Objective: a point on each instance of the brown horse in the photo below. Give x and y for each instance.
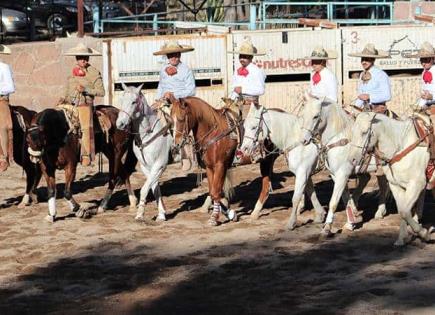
(215, 143)
(21, 119)
(54, 144)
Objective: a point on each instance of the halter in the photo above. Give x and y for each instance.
(365, 147)
(139, 108)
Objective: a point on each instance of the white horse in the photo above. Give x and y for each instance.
(151, 146)
(327, 118)
(406, 173)
(284, 131)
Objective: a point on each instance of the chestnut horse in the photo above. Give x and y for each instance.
(21, 119)
(54, 144)
(214, 142)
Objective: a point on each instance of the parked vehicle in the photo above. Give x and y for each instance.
(13, 22)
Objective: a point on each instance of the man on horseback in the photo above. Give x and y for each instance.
(323, 82)
(177, 80)
(249, 80)
(426, 54)
(6, 87)
(83, 86)
(374, 87)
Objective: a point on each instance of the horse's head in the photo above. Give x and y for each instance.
(255, 132)
(180, 119)
(364, 137)
(312, 117)
(132, 103)
(36, 141)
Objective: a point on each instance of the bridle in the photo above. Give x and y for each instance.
(365, 147)
(185, 137)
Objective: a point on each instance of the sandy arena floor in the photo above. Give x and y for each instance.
(111, 264)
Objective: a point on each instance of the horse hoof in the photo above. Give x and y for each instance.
(213, 222)
(100, 210)
(50, 218)
(399, 243)
(424, 234)
(232, 215)
(325, 234)
(161, 218)
(349, 226)
(291, 225)
(139, 217)
(22, 205)
(319, 218)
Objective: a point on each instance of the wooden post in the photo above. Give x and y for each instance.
(80, 25)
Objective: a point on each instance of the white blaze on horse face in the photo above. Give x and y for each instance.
(128, 105)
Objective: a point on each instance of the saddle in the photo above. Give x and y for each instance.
(233, 115)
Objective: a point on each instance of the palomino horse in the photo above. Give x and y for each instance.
(404, 163)
(284, 131)
(21, 119)
(324, 117)
(53, 142)
(152, 143)
(213, 142)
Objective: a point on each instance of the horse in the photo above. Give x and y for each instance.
(214, 141)
(404, 161)
(151, 145)
(21, 119)
(55, 144)
(333, 124)
(283, 130)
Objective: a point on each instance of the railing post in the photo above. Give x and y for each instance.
(96, 17)
(252, 17)
(155, 24)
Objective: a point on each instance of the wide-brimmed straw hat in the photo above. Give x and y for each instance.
(173, 47)
(247, 48)
(426, 51)
(370, 51)
(82, 50)
(5, 50)
(319, 53)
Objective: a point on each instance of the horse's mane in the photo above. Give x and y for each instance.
(206, 112)
(341, 121)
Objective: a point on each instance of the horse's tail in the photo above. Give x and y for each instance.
(228, 185)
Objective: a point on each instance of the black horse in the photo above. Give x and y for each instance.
(56, 145)
(21, 119)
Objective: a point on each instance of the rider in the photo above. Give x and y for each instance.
(249, 80)
(6, 87)
(176, 79)
(83, 86)
(426, 54)
(374, 87)
(323, 82)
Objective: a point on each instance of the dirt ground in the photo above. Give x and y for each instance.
(111, 264)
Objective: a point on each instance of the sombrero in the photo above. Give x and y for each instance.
(173, 47)
(370, 51)
(247, 48)
(319, 53)
(5, 50)
(82, 50)
(426, 51)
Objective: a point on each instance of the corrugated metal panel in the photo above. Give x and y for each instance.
(284, 52)
(133, 59)
(399, 41)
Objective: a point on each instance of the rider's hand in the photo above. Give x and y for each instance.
(80, 88)
(238, 89)
(168, 95)
(364, 97)
(426, 95)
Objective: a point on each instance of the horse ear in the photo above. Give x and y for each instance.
(124, 87)
(139, 88)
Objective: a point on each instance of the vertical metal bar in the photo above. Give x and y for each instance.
(155, 24)
(252, 17)
(80, 26)
(96, 17)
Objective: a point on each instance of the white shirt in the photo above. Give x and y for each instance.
(378, 87)
(427, 86)
(182, 84)
(253, 84)
(326, 87)
(6, 81)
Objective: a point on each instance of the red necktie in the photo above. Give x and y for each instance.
(171, 70)
(427, 76)
(78, 72)
(242, 71)
(316, 78)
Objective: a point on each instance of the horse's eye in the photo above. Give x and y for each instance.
(253, 127)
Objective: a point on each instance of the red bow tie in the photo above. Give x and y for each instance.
(427, 76)
(171, 70)
(316, 78)
(242, 71)
(78, 72)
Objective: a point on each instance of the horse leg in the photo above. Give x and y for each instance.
(160, 205)
(51, 189)
(300, 183)
(363, 179)
(406, 200)
(36, 180)
(70, 174)
(30, 178)
(104, 204)
(383, 193)
(143, 193)
(320, 211)
(131, 196)
(266, 169)
(206, 205)
(340, 183)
